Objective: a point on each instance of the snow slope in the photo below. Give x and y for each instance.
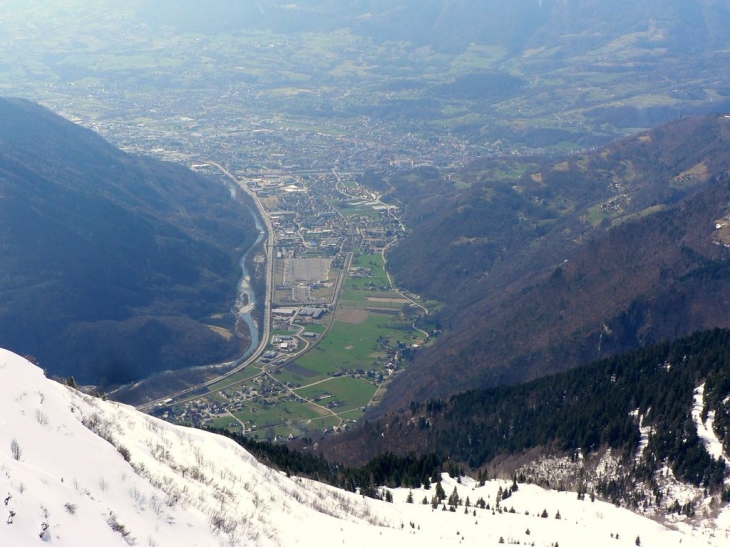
(704, 429)
(65, 481)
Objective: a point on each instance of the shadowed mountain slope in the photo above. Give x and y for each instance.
(111, 265)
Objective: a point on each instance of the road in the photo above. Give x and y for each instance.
(264, 330)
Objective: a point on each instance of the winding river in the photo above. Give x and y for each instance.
(246, 299)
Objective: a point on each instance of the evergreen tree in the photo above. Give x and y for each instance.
(440, 493)
(435, 501)
(482, 477)
(454, 498)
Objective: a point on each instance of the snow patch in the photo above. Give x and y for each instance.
(704, 429)
(644, 431)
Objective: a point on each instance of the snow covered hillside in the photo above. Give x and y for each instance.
(78, 471)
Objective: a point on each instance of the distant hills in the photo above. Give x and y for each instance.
(111, 266)
(567, 262)
(499, 75)
(528, 73)
(570, 28)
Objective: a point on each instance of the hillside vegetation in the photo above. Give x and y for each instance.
(111, 266)
(544, 266)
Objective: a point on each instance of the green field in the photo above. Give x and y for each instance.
(282, 412)
(351, 392)
(359, 287)
(291, 377)
(348, 346)
(366, 211)
(596, 215)
(374, 261)
(225, 423)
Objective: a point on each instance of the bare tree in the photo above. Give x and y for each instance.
(41, 417)
(15, 449)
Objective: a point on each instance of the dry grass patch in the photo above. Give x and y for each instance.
(354, 317)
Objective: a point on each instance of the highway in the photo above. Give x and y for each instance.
(264, 330)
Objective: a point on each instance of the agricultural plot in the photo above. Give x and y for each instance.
(349, 346)
(296, 375)
(227, 422)
(363, 286)
(301, 428)
(344, 393)
(316, 328)
(268, 415)
(356, 209)
(366, 279)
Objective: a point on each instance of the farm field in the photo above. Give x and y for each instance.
(344, 393)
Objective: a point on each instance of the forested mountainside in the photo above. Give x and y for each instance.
(664, 407)
(545, 266)
(111, 266)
